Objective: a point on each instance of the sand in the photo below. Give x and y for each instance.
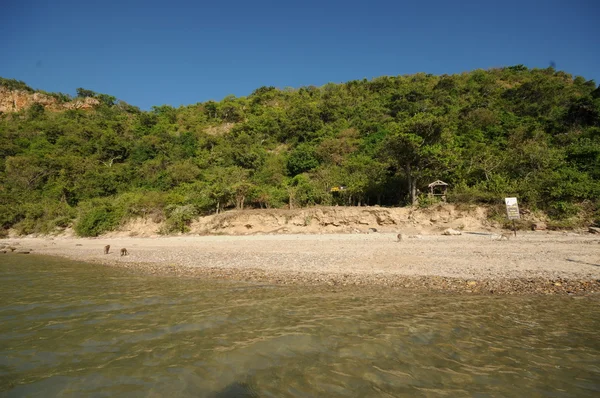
(474, 262)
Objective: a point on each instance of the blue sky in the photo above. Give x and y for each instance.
(181, 52)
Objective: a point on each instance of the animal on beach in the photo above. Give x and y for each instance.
(400, 237)
(124, 252)
(106, 249)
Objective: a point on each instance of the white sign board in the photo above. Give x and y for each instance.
(512, 208)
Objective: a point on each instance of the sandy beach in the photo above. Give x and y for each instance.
(532, 262)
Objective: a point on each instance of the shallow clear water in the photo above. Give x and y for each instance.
(75, 329)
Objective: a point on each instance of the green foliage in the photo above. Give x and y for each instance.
(61, 97)
(463, 193)
(83, 93)
(596, 214)
(426, 201)
(96, 217)
(36, 111)
(46, 218)
(302, 159)
(563, 210)
(105, 99)
(13, 84)
(179, 218)
(531, 133)
(303, 192)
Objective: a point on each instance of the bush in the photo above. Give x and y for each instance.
(304, 192)
(43, 217)
(10, 215)
(596, 214)
(302, 159)
(563, 210)
(270, 197)
(13, 84)
(25, 227)
(97, 217)
(424, 201)
(555, 225)
(180, 217)
(477, 194)
(141, 204)
(197, 194)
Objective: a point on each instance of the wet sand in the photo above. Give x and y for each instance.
(531, 263)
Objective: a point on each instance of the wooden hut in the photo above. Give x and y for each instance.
(438, 188)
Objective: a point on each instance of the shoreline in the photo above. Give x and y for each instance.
(532, 263)
(412, 284)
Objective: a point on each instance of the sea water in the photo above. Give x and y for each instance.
(72, 329)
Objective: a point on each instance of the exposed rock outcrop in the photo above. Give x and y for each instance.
(17, 100)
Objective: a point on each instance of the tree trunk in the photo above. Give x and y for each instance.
(413, 192)
(412, 183)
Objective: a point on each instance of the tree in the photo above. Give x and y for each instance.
(302, 159)
(363, 176)
(83, 93)
(531, 132)
(414, 146)
(228, 185)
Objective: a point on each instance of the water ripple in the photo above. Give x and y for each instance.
(73, 329)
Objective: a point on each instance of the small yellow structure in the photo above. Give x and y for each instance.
(338, 188)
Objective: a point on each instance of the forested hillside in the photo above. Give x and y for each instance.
(513, 131)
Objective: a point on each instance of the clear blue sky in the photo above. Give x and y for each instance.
(180, 52)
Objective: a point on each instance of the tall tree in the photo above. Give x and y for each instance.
(414, 146)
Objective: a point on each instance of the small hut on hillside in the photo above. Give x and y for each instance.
(438, 189)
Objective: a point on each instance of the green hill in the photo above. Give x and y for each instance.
(530, 133)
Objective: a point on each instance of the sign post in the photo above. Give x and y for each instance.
(512, 211)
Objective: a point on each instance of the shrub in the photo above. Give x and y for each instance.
(179, 219)
(97, 217)
(42, 217)
(477, 194)
(563, 224)
(13, 84)
(10, 215)
(424, 201)
(562, 210)
(302, 159)
(25, 227)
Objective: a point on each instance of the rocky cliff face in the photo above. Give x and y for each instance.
(16, 100)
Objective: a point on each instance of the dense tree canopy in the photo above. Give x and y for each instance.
(531, 133)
